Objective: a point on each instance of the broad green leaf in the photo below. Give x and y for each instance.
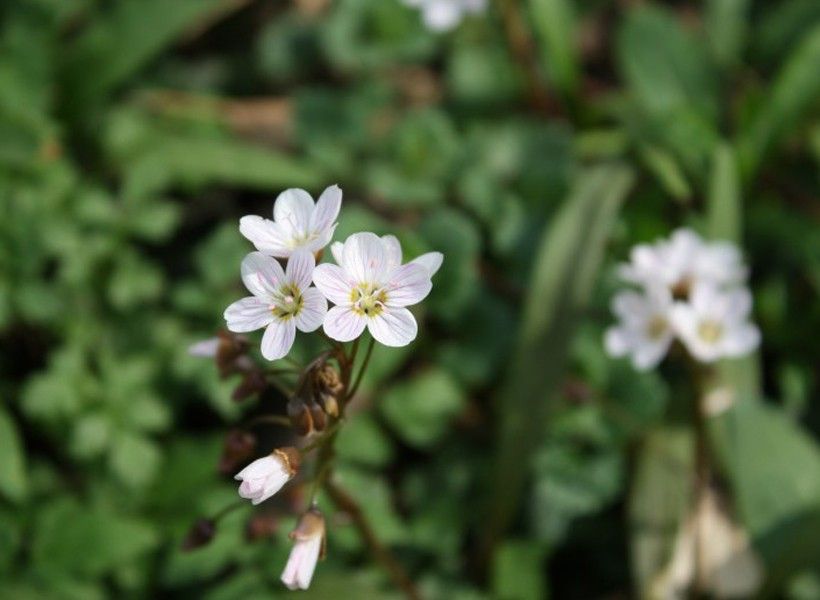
(795, 90)
(362, 441)
(774, 468)
(564, 271)
(554, 22)
(13, 474)
(658, 501)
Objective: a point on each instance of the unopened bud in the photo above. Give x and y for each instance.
(300, 417)
(329, 404)
(318, 416)
(200, 534)
(238, 446)
(265, 476)
(230, 350)
(328, 380)
(308, 548)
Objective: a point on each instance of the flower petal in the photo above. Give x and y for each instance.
(741, 340)
(292, 211)
(278, 339)
(314, 309)
(262, 275)
(334, 283)
(392, 247)
(248, 314)
(343, 325)
(266, 235)
(365, 258)
(430, 261)
(393, 327)
(300, 267)
(327, 209)
(337, 250)
(408, 285)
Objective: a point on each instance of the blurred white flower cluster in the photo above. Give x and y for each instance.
(444, 15)
(687, 289)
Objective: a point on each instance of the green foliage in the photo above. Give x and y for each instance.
(503, 454)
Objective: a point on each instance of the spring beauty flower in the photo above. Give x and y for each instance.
(297, 223)
(443, 15)
(265, 476)
(644, 332)
(282, 301)
(370, 288)
(714, 324)
(430, 261)
(683, 261)
(308, 548)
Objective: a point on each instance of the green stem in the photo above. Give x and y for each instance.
(227, 510)
(363, 368)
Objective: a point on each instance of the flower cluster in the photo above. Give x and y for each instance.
(443, 15)
(370, 289)
(688, 289)
(369, 285)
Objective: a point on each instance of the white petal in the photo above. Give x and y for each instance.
(343, 325)
(706, 299)
(278, 339)
(301, 563)
(738, 305)
(262, 275)
(430, 261)
(265, 235)
(337, 250)
(204, 348)
(364, 257)
(334, 283)
(292, 211)
(618, 341)
(408, 285)
(261, 467)
(393, 327)
(300, 268)
(392, 247)
(248, 314)
(314, 309)
(327, 209)
(630, 306)
(273, 484)
(323, 239)
(741, 340)
(649, 354)
(441, 16)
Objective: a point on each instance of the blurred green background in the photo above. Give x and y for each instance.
(503, 455)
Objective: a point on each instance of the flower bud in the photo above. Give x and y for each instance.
(329, 404)
(308, 548)
(238, 446)
(300, 416)
(265, 476)
(200, 534)
(318, 417)
(328, 380)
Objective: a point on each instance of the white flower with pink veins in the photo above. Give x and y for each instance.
(282, 301)
(297, 223)
(308, 547)
(371, 288)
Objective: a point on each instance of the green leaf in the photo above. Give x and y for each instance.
(554, 22)
(658, 501)
(793, 93)
(13, 475)
(774, 468)
(565, 269)
(362, 441)
(65, 534)
(117, 45)
(726, 26)
(518, 571)
(420, 409)
(134, 459)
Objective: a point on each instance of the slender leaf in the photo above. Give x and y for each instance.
(726, 26)
(554, 23)
(13, 478)
(565, 269)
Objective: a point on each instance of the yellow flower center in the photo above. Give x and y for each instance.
(710, 331)
(656, 327)
(368, 300)
(289, 304)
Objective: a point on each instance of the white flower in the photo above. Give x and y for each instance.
(308, 548)
(205, 348)
(644, 332)
(430, 261)
(282, 301)
(443, 15)
(714, 324)
(372, 289)
(297, 223)
(683, 261)
(265, 476)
